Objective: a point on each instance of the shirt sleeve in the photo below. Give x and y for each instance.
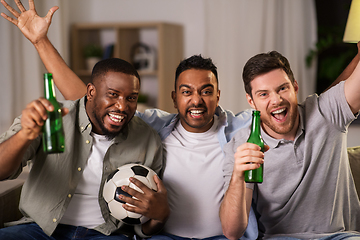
(334, 107)
(31, 150)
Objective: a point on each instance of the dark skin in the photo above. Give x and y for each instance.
(114, 96)
(32, 120)
(115, 103)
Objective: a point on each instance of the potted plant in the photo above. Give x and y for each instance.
(92, 54)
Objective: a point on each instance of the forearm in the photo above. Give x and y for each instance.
(352, 89)
(233, 210)
(68, 83)
(11, 153)
(347, 71)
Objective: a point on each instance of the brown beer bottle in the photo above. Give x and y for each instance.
(53, 133)
(256, 175)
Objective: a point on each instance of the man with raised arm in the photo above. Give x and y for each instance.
(193, 138)
(62, 197)
(308, 191)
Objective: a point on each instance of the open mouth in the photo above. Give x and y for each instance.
(279, 114)
(116, 118)
(196, 113)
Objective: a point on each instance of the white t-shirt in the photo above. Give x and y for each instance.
(84, 209)
(193, 178)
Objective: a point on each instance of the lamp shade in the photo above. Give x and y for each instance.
(352, 30)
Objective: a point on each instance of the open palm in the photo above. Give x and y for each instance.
(29, 22)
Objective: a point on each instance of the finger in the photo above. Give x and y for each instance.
(31, 5)
(131, 191)
(13, 21)
(247, 153)
(46, 104)
(50, 13)
(40, 107)
(10, 9)
(20, 5)
(248, 146)
(64, 111)
(132, 208)
(141, 186)
(32, 117)
(160, 185)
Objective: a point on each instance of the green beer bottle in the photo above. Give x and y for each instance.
(53, 133)
(256, 175)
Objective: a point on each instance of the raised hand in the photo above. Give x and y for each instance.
(29, 22)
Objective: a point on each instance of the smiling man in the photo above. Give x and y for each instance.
(193, 138)
(308, 191)
(62, 197)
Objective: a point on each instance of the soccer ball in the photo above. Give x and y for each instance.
(112, 190)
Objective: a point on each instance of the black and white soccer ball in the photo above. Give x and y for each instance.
(112, 190)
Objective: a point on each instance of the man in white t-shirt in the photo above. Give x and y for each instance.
(193, 138)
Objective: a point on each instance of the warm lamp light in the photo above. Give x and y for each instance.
(352, 30)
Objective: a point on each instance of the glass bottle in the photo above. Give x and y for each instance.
(53, 133)
(256, 175)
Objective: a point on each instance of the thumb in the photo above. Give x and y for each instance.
(266, 147)
(50, 13)
(64, 111)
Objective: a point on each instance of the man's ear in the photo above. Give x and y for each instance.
(173, 96)
(250, 101)
(296, 87)
(218, 97)
(91, 91)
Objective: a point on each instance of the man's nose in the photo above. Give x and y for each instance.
(276, 99)
(197, 99)
(121, 104)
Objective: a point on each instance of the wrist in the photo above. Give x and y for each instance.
(42, 43)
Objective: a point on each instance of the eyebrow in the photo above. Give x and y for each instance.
(117, 91)
(202, 87)
(282, 85)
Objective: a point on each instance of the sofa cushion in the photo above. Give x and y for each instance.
(354, 158)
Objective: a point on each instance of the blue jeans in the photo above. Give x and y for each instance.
(32, 231)
(336, 236)
(167, 236)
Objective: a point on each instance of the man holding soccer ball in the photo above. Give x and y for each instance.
(61, 199)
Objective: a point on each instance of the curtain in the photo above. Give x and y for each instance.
(239, 29)
(21, 69)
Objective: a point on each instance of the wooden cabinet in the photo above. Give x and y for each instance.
(165, 38)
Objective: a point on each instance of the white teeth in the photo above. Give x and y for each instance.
(116, 118)
(278, 111)
(196, 111)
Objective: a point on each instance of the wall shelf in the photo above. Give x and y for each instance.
(165, 38)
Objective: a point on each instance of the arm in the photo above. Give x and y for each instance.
(348, 70)
(13, 149)
(151, 204)
(35, 29)
(235, 207)
(352, 86)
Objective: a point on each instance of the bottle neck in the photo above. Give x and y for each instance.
(49, 88)
(255, 124)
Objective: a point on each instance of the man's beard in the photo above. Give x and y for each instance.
(108, 134)
(282, 129)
